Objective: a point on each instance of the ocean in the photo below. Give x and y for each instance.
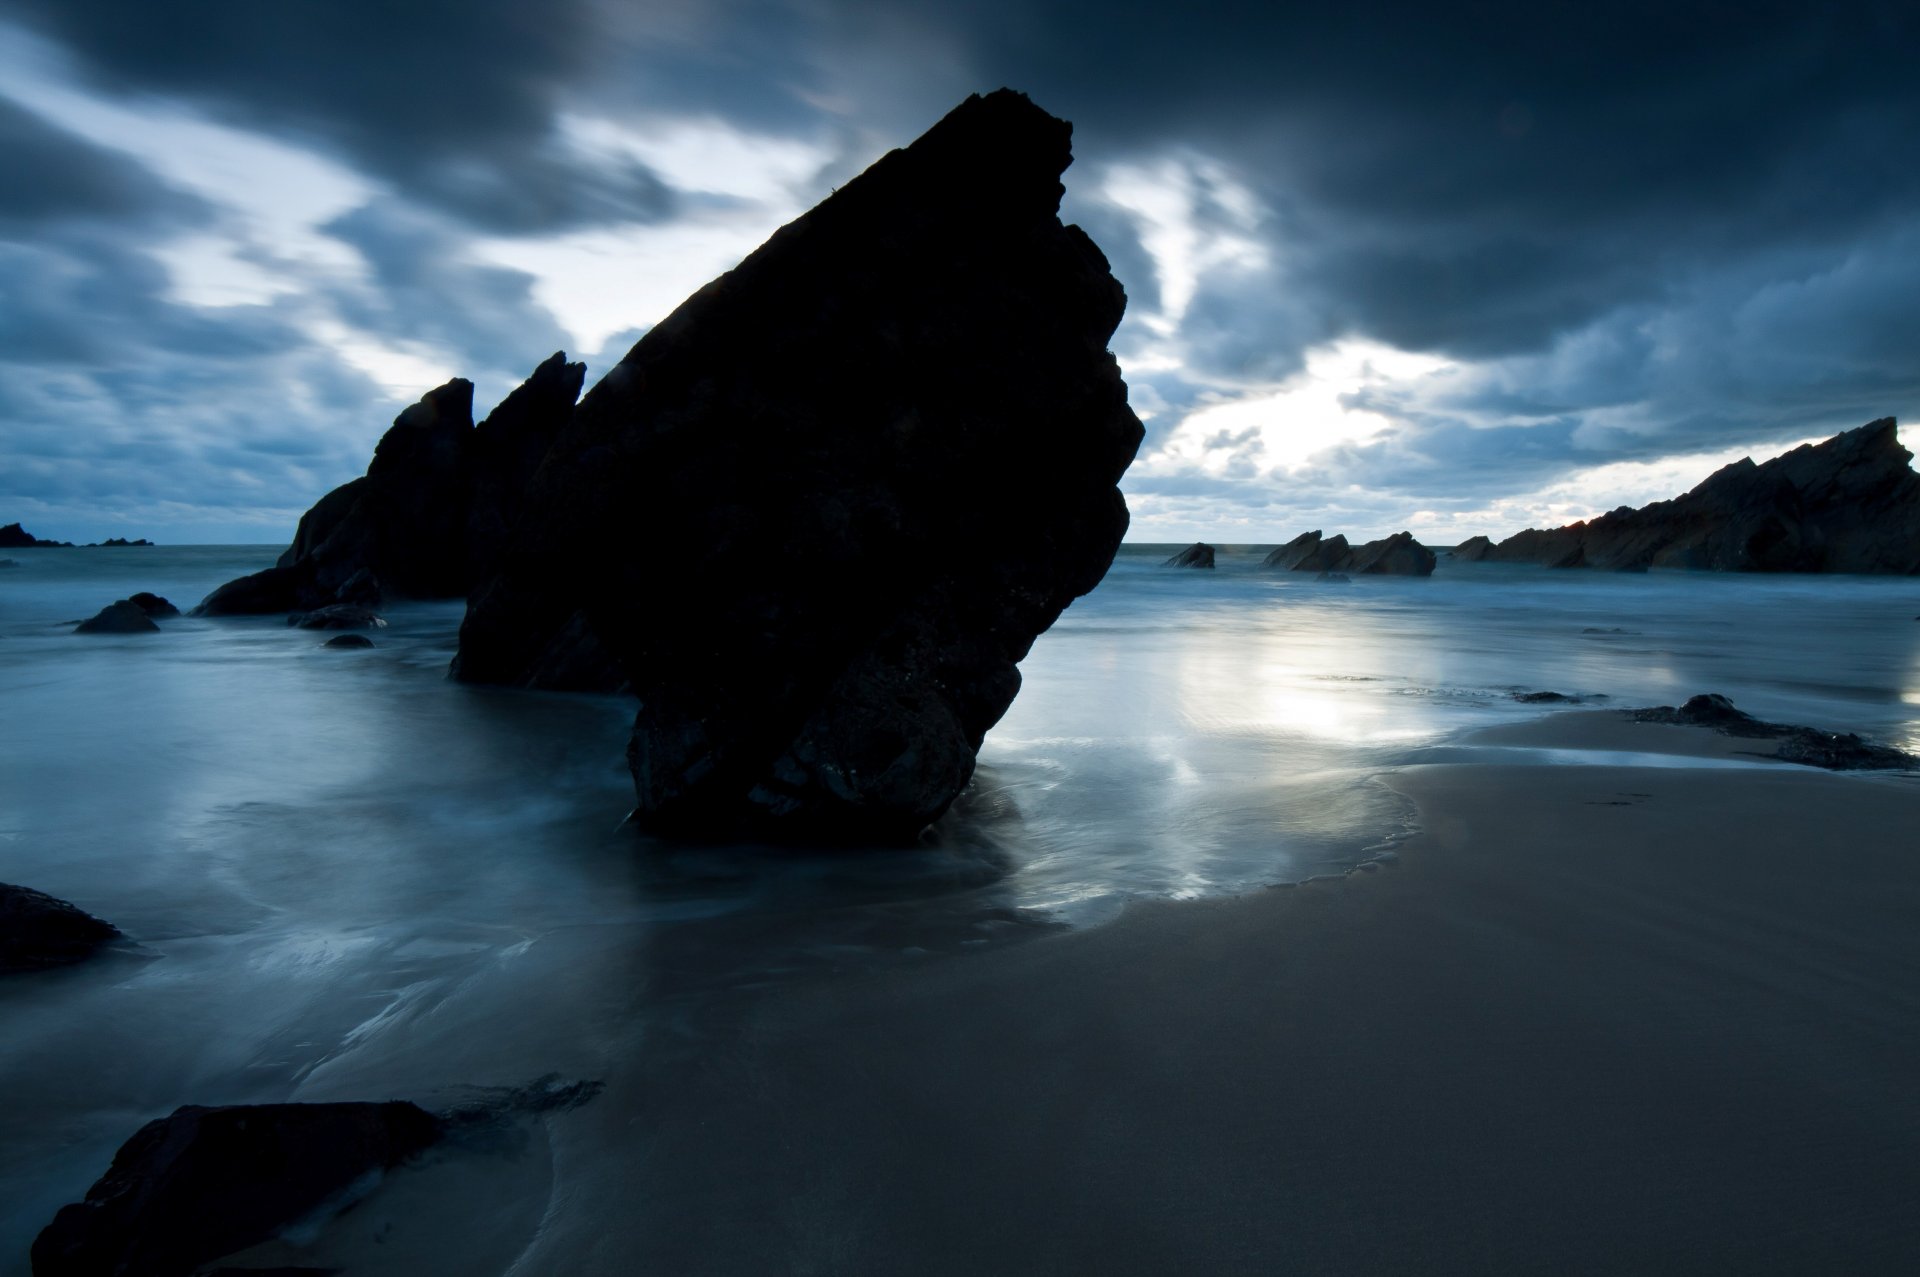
(343, 876)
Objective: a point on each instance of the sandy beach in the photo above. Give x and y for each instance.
(1590, 1019)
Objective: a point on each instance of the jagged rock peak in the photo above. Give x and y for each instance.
(883, 452)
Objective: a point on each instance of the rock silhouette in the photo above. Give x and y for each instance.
(1472, 550)
(428, 518)
(1197, 555)
(1808, 746)
(123, 617)
(37, 931)
(1397, 555)
(1850, 504)
(15, 537)
(205, 1182)
(818, 514)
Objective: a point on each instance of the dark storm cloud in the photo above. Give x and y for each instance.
(54, 178)
(451, 101)
(425, 288)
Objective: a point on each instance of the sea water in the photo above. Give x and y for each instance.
(343, 876)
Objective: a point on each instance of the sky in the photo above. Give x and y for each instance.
(1460, 269)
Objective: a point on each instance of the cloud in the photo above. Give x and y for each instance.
(55, 179)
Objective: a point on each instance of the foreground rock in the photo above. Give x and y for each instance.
(124, 617)
(817, 515)
(206, 1182)
(429, 517)
(1806, 745)
(152, 604)
(38, 931)
(1397, 555)
(1851, 504)
(348, 640)
(1472, 550)
(1197, 555)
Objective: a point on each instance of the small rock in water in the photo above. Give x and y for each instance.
(124, 617)
(1555, 698)
(9, 563)
(1197, 555)
(348, 640)
(203, 1183)
(38, 931)
(338, 616)
(1806, 745)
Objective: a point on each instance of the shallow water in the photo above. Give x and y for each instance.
(346, 877)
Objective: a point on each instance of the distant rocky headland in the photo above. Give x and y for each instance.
(15, 537)
(1851, 504)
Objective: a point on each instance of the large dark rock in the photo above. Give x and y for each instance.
(818, 514)
(1851, 504)
(1197, 555)
(338, 616)
(15, 537)
(428, 518)
(123, 617)
(206, 1182)
(38, 931)
(1397, 555)
(152, 604)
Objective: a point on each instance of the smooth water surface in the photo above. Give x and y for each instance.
(344, 877)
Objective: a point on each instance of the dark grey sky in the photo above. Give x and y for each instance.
(1460, 267)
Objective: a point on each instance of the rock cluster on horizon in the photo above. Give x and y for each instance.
(428, 518)
(15, 537)
(1397, 555)
(818, 514)
(1850, 504)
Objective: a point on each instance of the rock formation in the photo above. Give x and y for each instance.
(1851, 504)
(1472, 550)
(152, 604)
(1809, 746)
(1197, 555)
(123, 617)
(428, 518)
(38, 931)
(1397, 555)
(818, 514)
(15, 537)
(202, 1183)
(338, 616)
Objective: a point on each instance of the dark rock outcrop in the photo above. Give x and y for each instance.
(1851, 504)
(202, 1183)
(123, 617)
(818, 514)
(1835, 751)
(1555, 698)
(117, 543)
(152, 604)
(1397, 555)
(348, 640)
(38, 931)
(15, 537)
(428, 518)
(338, 616)
(1197, 555)
(1472, 550)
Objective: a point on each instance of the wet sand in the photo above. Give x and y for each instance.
(1592, 1019)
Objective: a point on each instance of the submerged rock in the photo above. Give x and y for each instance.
(1197, 555)
(1809, 746)
(37, 931)
(202, 1183)
(428, 518)
(348, 640)
(124, 617)
(1397, 555)
(818, 514)
(1851, 504)
(1555, 698)
(338, 616)
(8, 563)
